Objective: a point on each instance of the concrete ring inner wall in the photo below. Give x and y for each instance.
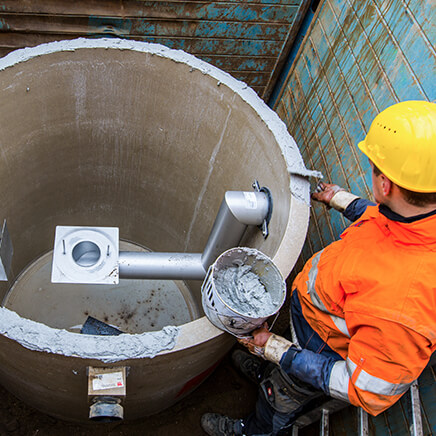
(133, 135)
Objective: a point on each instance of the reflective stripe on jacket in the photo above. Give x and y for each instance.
(371, 296)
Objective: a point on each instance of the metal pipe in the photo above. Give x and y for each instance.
(172, 266)
(249, 208)
(106, 409)
(238, 210)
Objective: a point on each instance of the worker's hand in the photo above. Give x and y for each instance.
(325, 192)
(256, 344)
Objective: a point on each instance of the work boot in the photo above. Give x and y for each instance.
(251, 366)
(219, 425)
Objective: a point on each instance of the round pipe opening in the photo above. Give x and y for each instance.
(106, 410)
(86, 253)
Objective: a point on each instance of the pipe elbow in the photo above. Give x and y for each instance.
(249, 208)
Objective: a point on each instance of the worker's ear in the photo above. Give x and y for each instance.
(386, 185)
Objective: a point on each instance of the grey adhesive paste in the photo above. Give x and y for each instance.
(39, 337)
(241, 290)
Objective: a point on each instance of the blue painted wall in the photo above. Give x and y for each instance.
(357, 58)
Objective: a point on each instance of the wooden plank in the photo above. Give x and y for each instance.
(132, 27)
(251, 78)
(254, 78)
(233, 11)
(240, 30)
(13, 41)
(196, 46)
(241, 63)
(261, 29)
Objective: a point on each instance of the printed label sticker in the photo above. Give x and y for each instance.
(108, 381)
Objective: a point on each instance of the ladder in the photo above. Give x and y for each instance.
(323, 413)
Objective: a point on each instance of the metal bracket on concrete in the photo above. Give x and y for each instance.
(6, 252)
(267, 192)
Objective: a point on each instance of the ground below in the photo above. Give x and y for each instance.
(225, 391)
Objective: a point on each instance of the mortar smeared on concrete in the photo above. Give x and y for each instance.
(40, 337)
(241, 289)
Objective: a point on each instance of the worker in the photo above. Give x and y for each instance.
(363, 309)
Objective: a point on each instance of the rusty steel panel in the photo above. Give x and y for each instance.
(357, 58)
(136, 26)
(248, 39)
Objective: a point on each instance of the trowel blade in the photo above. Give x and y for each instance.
(93, 326)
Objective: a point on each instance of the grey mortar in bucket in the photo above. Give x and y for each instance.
(241, 290)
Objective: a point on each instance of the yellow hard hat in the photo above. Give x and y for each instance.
(401, 143)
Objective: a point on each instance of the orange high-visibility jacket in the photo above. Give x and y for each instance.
(371, 296)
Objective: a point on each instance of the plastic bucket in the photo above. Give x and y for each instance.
(227, 315)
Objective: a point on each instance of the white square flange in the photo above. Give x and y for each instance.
(87, 255)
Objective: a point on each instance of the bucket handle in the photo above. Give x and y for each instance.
(274, 321)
